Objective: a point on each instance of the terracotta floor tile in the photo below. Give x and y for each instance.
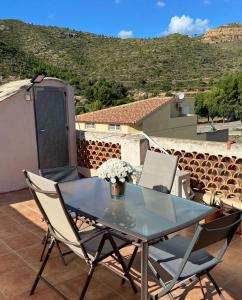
(23, 215)
(9, 262)
(25, 239)
(96, 290)
(35, 229)
(21, 232)
(11, 230)
(16, 281)
(5, 220)
(4, 249)
(31, 204)
(31, 255)
(17, 196)
(57, 272)
(46, 294)
(2, 212)
(102, 292)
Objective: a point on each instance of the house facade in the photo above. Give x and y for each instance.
(161, 117)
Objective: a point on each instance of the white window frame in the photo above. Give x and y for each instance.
(114, 127)
(90, 125)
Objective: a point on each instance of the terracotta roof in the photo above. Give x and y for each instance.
(131, 113)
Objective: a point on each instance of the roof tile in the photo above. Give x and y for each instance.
(131, 113)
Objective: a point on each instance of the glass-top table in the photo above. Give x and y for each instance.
(142, 213)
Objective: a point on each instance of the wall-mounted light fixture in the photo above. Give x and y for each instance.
(37, 78)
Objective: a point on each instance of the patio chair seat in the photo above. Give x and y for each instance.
(91, 246)
(170, 253)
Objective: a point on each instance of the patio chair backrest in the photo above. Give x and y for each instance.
(61, 174)
(49, 200)
(159, 171)
(220, 229)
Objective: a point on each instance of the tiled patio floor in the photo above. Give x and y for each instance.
(20, 234)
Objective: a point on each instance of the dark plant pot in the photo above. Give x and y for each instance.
(217, 214)
(117, 189)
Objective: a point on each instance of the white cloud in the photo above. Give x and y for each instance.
(125, 34)
(117, 1)
(160, 3)
(187, 25)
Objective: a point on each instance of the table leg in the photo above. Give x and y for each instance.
(144, 271)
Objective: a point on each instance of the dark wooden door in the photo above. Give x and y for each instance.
(51, 127)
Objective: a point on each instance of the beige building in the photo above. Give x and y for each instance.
(161, 117)
(37, 129)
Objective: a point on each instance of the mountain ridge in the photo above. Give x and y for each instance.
(175, 61)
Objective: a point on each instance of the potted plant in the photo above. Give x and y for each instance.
(117, 172)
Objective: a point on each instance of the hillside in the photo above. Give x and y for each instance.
(150, 64)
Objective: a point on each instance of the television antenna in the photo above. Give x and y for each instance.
(181, 95)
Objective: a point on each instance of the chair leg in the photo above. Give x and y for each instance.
(93, 266)
(215, 285)
(89, 277)
(52, 243)
(200, 282)
(45, 243)
(168, 293)
(61, 254)
(120, 259)
(44, 238)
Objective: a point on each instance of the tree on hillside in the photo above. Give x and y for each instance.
(229, 84)
(104, 91)
(213, 100)
(239, 105)
(232, 87)
(93, 106)
(223, 99)
(226, 110)
(200, 107)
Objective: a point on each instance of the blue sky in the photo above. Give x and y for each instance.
(126, 18)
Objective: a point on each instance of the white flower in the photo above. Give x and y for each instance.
(113, 180)
(115, 170)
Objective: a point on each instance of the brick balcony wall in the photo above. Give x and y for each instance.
(211, 164)
(92, 154)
